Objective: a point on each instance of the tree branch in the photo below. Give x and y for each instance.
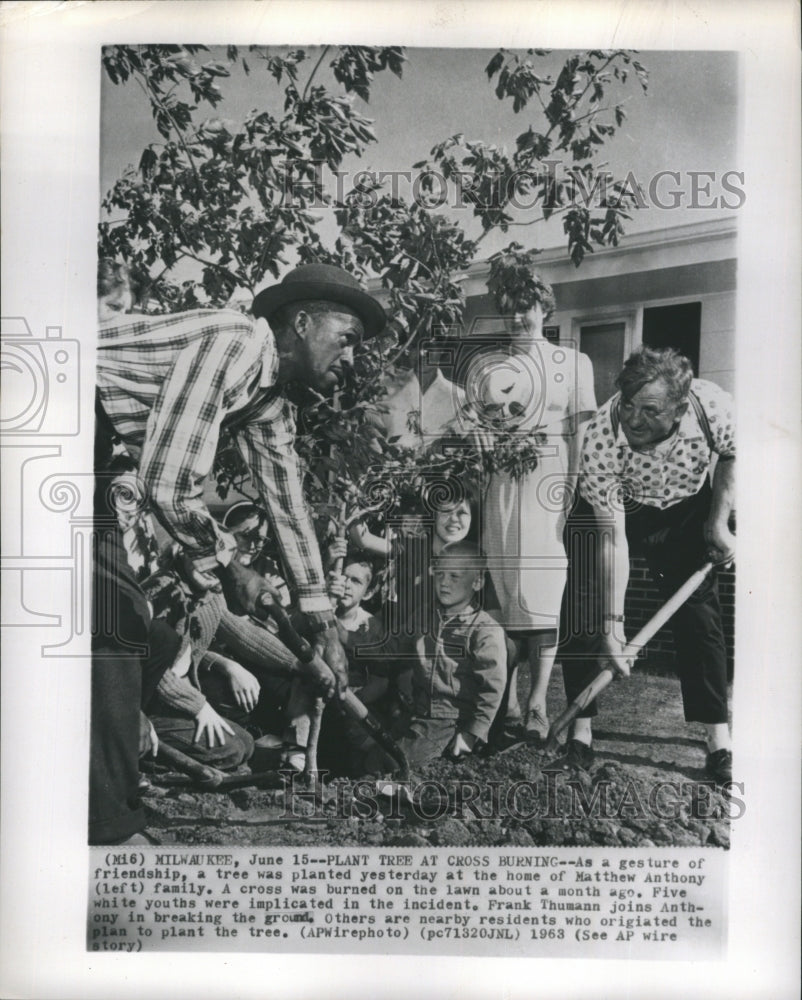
(154, 97)
(314, 71)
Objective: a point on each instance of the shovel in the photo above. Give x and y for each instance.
(310, 763)
(351, 704)
(211, 778)
(603, 678)
(205, 777)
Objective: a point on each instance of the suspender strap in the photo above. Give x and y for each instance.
(701, 416)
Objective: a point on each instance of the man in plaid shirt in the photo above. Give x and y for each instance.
(167, 384)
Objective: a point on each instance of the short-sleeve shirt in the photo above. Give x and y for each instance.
(665, 473)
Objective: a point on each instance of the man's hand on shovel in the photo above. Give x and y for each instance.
(246, 591)
(329, 650)
(321, 676)
(720, 543)
(613, 656)
(619, 657)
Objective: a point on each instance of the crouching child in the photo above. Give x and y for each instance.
(459, 665)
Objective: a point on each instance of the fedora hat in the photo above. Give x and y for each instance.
(322, 282)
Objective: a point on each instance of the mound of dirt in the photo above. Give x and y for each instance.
(645, 787)
(510, 799)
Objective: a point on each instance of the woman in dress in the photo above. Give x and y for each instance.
(532, 385)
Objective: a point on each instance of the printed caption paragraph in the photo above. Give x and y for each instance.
(599, 904)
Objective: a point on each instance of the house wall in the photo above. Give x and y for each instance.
(686, 264)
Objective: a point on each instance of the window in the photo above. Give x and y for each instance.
(675, 326)
(607, 345)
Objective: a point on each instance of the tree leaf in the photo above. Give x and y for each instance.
(495, 64)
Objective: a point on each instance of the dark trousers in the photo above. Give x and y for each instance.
(119, 643)
(120, 627)
(177, 730)
(673, 545)
(581, 612)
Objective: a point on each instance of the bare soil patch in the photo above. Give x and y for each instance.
(646, 787)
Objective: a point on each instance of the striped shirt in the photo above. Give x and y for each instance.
(167, 383)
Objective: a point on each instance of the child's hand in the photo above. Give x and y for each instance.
(367, 541)
(335, 584)
(244, 686)
(211, 725)
(461, 744)
(338, 547)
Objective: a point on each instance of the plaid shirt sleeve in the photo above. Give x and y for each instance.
(268, 447)
(182, 433)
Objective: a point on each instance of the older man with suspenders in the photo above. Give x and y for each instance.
(646, 466)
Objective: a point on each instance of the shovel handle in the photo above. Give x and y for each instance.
(605, 676)
(203, 774)
(299, 647)
(668, 610)
(341, 529)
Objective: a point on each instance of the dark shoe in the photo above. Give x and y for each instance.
(719, 766)
(512, 735)
(267, 750)
(537, 726)
(576, 756)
